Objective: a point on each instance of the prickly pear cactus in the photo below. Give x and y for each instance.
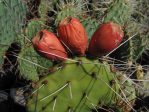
(27, 59)
(80, 84)
(12, 14)
(138, 25)
(119, 11)
(90, 25)
(68, 8)
(77, 86)
(31, 65)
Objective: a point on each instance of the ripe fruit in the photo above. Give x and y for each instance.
(73, 35)
(48, 45)
(106, 38)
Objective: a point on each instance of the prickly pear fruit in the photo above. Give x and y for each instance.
(106, 38)
(73, 35)
(48, 45)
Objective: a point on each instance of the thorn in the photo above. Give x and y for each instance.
(53, 93)
(70, 90)
(54, 104)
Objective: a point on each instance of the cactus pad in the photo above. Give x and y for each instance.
(12, 14)
(75, 86)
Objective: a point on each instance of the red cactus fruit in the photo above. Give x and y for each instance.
(72, 33)
(48, 45)
(106, 38)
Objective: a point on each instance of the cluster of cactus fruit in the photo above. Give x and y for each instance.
(61, 51)
(74, 38)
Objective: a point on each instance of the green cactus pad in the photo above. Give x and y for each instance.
(12, 14)
(90, 25)
(31, 64)
(33, 27)
(119, 12)
(27, 64)
(74, 86)
(68, 8)
(43, 9)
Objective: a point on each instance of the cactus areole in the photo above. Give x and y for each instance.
(106, 38)
(73, 35)
(48, 45)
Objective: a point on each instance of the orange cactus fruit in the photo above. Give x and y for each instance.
(106, 38)
(72, 33)
(48, 46)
